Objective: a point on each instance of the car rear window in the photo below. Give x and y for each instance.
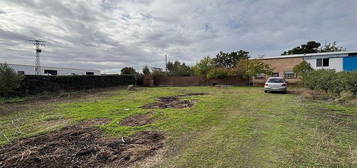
(276, 80)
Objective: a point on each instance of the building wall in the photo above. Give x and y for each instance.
(335, 62)
(30, 70)
(350, 63)
(281, 65)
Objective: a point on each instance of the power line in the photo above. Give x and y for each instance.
(38, 50)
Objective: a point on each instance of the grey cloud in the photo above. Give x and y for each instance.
(111, 34)
(12, 36)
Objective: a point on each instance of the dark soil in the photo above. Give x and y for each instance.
(172, 102)
(193, 94)
(168, 102)
(79, 146)
(138, 120)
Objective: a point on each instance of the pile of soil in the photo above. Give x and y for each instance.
(138, 120)
(79, 146)
(168, 102)
(172, 102)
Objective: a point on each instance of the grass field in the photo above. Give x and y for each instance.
(228, 127)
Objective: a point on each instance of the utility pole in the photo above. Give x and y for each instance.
(165, 63)
(38, 43)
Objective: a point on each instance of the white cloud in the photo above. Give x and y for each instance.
(111, 34)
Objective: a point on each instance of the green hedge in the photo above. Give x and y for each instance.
(331, 81)
(33, 84)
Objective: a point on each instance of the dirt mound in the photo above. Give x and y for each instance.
(138, 120)
(168, 102)
(79, 146)
(172, 102)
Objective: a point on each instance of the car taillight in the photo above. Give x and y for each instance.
(266, 84)
(284, 84)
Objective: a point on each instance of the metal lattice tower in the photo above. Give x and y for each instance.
(38, 43)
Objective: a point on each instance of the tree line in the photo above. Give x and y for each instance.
(222, 65)
(232, 63)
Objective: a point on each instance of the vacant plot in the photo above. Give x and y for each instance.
(172, 102)
(149, 127)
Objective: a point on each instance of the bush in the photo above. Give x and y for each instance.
(302, 69)
(331, 81)
(217, 73)
(204, 66)
(9, 80)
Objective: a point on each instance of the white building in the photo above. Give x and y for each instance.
(339, 61)
(45, 70)
(333, 60)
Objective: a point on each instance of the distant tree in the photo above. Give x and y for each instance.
(178, 69)
(128, 71)
(257, 67)
(314, 47)
(217, 73)
(9, 80)
(204, 66)
(302, 69)
(229, 60)
(309, 47)
(250, 68)
(332, 47)
(158, 73)
(146, 70)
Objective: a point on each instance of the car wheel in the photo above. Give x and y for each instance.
(265, 91)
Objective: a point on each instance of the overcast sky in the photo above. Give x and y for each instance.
(110, 34)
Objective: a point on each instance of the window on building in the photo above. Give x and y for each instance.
(318, 62)
(289, 75)
(322, 62)
(21, 72)
(275, 74)
(326, 62)
(89, 73)
(50, 72)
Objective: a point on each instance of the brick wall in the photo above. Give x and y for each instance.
(281, 65)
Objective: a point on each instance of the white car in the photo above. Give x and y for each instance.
(276, 84)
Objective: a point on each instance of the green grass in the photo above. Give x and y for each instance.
(11, 100)
(229, 127)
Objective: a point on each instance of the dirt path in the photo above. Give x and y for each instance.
(261, 130)
(236, 138)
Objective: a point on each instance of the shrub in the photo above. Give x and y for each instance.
(349, 81)
(9, 80)
(250, 68)
(302, 69)
(331, 81)
(217, 73)
(204, 66)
